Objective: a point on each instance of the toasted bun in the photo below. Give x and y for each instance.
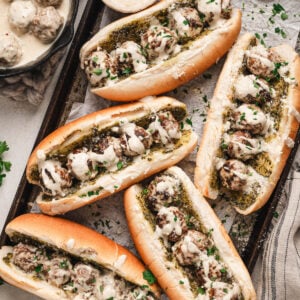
(75, 239)
(166, 75)
(153, 252)
(128, 6)
(221, 101)
(109, 182)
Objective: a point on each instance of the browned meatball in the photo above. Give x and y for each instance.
(84, 277)
(251, 118)
(188, 249)
(251, 89)
(261, 61)
(159, 42)
(171, 222)
(135, 139)
(58, 270)
(10, 50)
(106, 142)
(242, 146)
(234, 175)
(100, 68)
(80, 165)
(46, 24)
(186, 22)
(129, 58)
(164, 190)
(25, 257)
(165, 128)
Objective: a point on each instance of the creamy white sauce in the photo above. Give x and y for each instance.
(250, 85)
(138, 60)
(79, 165)
(109, 158)
(133, 142)
(55, 185)
(32, 47)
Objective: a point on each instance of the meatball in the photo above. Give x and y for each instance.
(251, 89)
(213, 10)
(21, 14)
(107, 152)
(84, 277)
(261, 62)
(54, 3)
(135, 139)
(100, 68)
(46, 24)
(58, 270)
(171, 223)
(81, 166)
(234, 175)
(54, 177)
(188, 249)
(10, 50)
(242, 146)
(186, 22)
(129, 58)
(104, 143)
(159, 42)
(24, 256)
(251, 118)
(164, 190)
(165, 128)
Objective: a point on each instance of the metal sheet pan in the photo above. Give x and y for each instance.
(71, 88)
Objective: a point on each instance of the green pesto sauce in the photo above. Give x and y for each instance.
(262, 164)
(240, 199)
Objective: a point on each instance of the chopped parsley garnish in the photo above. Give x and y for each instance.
(4, 165)
(256, 85)
(127, 71)
(223, 270)
(97, 72)
(210, 1)
(147, 275)
(211, 251)
(175, 219)
(201, 291)
(116, 186)
(185, 22)
(243, 116)
(189, 121)
(64, 265)
(120, 165)
(277, 8)
(125, 55)
(284, 16)
(38, 268)
(225, 291)
(95, 59)
(281, 32)
(145, 191)
(275, 214)
(181, 282)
